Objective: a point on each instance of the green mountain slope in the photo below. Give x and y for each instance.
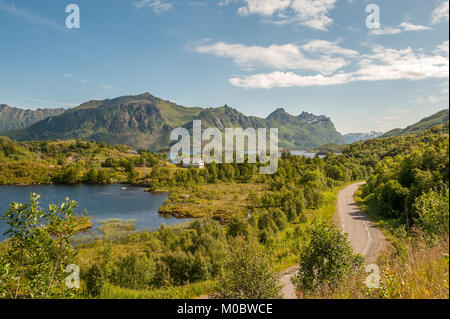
(440, 117)
(145, 121)
(14, 118)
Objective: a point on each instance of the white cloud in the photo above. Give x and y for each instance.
(412, 27)
(264, 7)
(310, 13)
(313, 13)
(391, 64)
(442, 48)
(158, 6)
(383, 64)
(440, 13)
(326, 47)
(386, 31)
(283, 57)
(402, 27)
(287, 79)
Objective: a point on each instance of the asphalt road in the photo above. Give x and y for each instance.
(364, 237)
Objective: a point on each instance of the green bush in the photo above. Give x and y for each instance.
(432, 209)
(326, 260)
(238, 227)
(94, 281)
(132, 271)
(247, 274)
(38, 251)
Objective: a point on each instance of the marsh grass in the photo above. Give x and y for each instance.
(219, 201)
(114, 229)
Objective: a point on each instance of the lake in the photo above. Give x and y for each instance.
(102, 202)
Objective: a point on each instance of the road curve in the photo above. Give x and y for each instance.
(363, 235)
(365, 238)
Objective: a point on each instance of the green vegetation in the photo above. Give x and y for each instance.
(218, 201)
(247, 274)
(398, 180)
(433, 213)
(272, 211)
(407, 196)
(250, 225)
(187, 260)
(329, 148)
(34, 259)
(440, 117)
(327, 260)
(72, 162)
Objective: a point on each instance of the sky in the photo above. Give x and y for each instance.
(328, 57)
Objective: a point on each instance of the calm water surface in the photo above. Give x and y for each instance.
(102, 202)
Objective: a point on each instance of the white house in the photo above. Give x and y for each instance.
(196, 163)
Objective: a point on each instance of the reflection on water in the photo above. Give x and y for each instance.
(102, 202)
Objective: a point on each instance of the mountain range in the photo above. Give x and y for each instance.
(145, 121)
(15, 118)
(355, 137)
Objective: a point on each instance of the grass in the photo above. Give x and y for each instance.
(181, 292)
(218, 201)
(114, 229)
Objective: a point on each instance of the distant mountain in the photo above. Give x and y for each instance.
(441, 117)
(304, 131)
(355, 137)
(14, 118)
(145, 121)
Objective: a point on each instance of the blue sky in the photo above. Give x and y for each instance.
(254, 55)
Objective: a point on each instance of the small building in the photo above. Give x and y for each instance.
(196, 163)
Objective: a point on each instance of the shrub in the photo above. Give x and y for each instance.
(238, 227)
(94, 281)
(38, 250)
(247, 274)
(433, 213)
(132, 271)
(326, 260)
